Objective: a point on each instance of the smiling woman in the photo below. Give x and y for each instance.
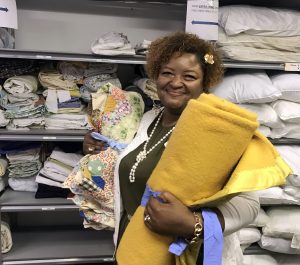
(183, 67)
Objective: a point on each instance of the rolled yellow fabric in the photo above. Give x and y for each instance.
(204, 151)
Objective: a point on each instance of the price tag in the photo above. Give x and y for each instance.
(292, 66)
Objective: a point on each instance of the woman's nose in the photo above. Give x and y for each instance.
(176, 81)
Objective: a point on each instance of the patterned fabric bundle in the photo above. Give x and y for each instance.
(213, 152)
(115, 114)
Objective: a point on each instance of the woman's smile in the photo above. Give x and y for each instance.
(174, 92)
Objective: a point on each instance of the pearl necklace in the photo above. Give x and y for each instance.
(143, 154)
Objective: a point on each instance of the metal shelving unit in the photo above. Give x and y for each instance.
(137, 59)
(19, 201)
(42, 135)
(71, 245)
(60, 56)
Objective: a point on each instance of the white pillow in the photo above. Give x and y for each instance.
(284, 222)
(287, 110)
(277, 244)
(266, 115)
(248, 235)
(261, 219)
(290, 130)
(259, 260)
(291, 154)
(293, 191)
(247, 86)
(293, 180)
(288, 84)
(275, 195)
(255, 20)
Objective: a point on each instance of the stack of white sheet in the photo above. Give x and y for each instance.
(57, 167)
(253, 33)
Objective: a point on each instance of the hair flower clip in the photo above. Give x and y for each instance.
(209, 58)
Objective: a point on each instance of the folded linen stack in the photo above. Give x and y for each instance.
(21, 103)
(55, 170)
(112, 43)
(23, 167)
(253, 33)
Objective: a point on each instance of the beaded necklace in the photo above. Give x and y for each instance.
(143, 154)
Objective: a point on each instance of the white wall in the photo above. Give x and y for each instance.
(71, 26)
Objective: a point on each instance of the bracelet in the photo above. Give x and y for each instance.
(198, 228)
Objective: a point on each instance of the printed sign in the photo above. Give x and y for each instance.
(8, 14)
(202, 18)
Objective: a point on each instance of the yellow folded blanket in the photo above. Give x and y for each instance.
(213, 152)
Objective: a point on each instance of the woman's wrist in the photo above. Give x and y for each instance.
(197, 230)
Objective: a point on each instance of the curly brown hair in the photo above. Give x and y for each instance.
(161, 50)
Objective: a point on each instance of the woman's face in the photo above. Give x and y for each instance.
(178, 81)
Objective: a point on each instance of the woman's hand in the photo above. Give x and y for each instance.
(91, 146)
(169, 216)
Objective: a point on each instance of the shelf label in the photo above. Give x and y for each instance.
(108, 259)
(43, 56)
(49, 137)
(292, 66)
(103, 60)
(48, 208)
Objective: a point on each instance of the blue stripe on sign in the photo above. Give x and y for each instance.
(205, 22)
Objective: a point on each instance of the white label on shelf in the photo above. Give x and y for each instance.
(103, 60)
(43, 56)
(48, 208)
(292, 66)
(108, 259)
(49, 137)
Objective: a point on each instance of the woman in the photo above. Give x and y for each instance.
(183, 67)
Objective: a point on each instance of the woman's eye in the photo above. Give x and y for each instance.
(166, 73)
(190, 77)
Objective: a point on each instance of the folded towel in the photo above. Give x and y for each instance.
(23, 84)
(213, 152)
(6, 239)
